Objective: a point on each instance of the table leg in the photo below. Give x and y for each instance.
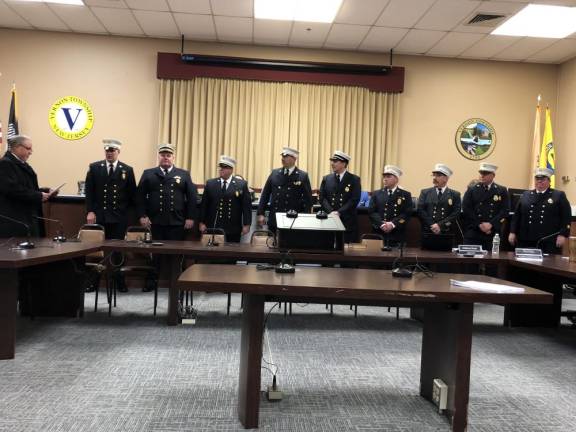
(250, 360)
(8, 300)
(446, 350)
(173, 293)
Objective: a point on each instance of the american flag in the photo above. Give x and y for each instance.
(12, 117)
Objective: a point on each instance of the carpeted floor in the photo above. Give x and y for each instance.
(131, 372)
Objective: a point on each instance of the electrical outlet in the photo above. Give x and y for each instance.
(440, 394)
(273, 394)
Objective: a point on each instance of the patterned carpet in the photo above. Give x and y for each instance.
(133, 373)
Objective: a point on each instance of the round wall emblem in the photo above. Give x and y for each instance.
(475, 139)
(71, 118)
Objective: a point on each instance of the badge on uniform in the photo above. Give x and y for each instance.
(347, 189)
(550, 201)
(496, 197)
(237, 194)
(297, 183)
(401, 221)
(399, 201)
(123, 175)
(449, 201)
(177, 178)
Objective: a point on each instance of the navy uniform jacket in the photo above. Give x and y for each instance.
(443, 211)
(110, 197)
(342, 196)
(20, 197)
(229, 210)
(540, 215)
(396, 209)
(167, 200)
(292, 192)
(481, 205)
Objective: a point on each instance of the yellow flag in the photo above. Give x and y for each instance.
(547, 149)
(535, 156)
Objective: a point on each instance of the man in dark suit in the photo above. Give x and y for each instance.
(439, 206)
(542, 216)
(226, 203)
(20, 197)
(390, 208)
(167, 200)
(340, 194)
(287, 188)
(110, 190)
(485, 207)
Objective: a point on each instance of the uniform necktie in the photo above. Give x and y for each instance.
(286, 172)
(389, 193)
(338, 178)
(165, 171)
(110, 170)
(223, 186)
(439, 193)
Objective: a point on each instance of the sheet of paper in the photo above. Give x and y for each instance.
(487, 287)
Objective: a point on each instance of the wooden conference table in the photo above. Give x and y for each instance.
(547, 275)
(447, 330)
(12, 262)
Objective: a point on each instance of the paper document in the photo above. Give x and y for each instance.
(55, 191)
(486, 287)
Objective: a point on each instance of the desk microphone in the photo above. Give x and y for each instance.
(284, 266)
(60, 238)
(401, 271)
(546, 238)
(28, 243)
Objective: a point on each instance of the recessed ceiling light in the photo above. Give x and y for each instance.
(297, 10)
(69, 2)
(543, 21)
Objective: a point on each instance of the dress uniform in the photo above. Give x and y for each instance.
(439, 205)
(168, 198)
(341, 193)
(286, 189)
(391, 205)
(226, 203)
(484, 202)
(540, 216)
(110, 191)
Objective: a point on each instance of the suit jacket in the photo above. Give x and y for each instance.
(110, 196)
(443, 211)
(283, 193)
(539, 215)
(20, 197)
(342, 196)
(396, 209)
(167, 200)
(481, 205)
(228, 210)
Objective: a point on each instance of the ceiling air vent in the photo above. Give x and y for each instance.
(486, 20)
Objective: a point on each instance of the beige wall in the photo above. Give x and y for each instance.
(564, 136)
(117, 76)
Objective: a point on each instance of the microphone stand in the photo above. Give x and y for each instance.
(59, 238)
(211, 241)
(401, 271)
(546, 238)
(284, 266)
(28, 243)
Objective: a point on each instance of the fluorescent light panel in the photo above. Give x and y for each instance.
(69, 2)
(543, 21)
(297, 10)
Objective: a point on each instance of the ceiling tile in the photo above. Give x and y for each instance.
(272, 32)
(453, 44)
(559, 52)
(446, 14)
(117, 4)
(311, 35)
(191, 6)
(418, 41)
(233, 29)
(489, 46)
(403, 13)
(346, 36)
(489, 7)
(350, 13)
(9, 18)
(39, 15)
(151, 5)
(235, 8)
(524, 48)
(382, 39)
(78, 18)
(118, 21)
(157, 24)
(196, 27)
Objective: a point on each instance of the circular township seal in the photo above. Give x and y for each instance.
(475, 139)
(71, 118)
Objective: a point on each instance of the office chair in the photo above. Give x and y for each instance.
(95, 265)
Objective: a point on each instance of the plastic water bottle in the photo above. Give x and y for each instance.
(496, 245)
